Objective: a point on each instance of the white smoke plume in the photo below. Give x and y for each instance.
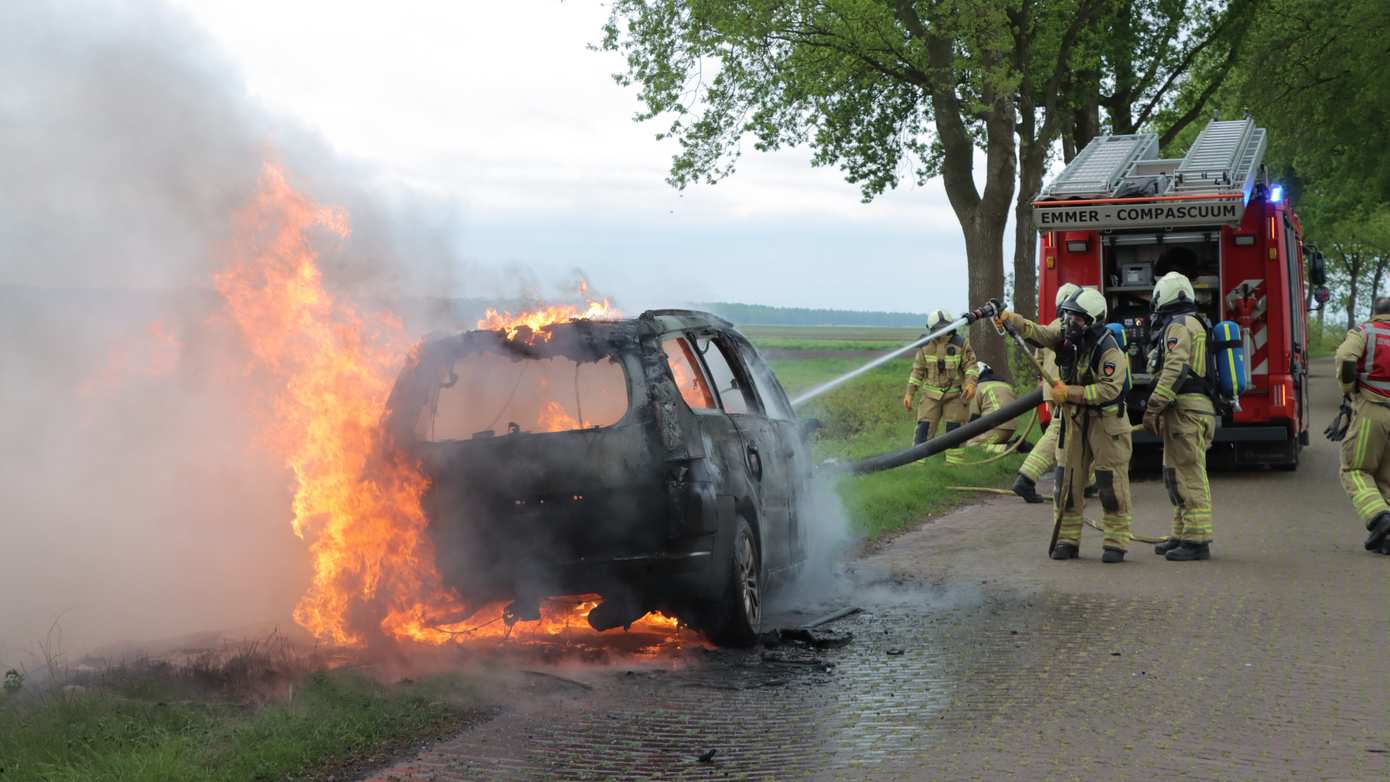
(137, 502)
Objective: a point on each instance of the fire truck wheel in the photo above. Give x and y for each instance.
(737, 617)
(1291, 454)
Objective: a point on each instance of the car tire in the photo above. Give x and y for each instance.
(737, 617)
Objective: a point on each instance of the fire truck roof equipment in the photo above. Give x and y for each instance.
(1119, 182)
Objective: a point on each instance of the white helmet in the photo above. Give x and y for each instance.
(1068, 290)
(938, 319)
(1088, 303)
(1173, 288)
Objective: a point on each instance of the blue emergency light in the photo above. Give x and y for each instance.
(1276, 194)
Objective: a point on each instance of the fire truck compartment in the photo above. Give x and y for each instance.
(1118, 217)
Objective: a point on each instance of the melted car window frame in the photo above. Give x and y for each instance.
(451, 374)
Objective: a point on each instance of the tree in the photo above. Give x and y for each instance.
(1318, 81)
(872, 87)
(1149, 63)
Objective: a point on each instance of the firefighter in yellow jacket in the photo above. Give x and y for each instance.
(1043, 457)
(1363, 368)
(992, 392)
(944, 372)
(1095, 431)
(1180, 411)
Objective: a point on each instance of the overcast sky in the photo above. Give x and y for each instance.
(502, 106)
(495, 118)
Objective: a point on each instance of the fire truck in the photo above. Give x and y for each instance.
(1118, 217)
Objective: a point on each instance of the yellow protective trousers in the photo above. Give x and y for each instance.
(1189, 423)
(1365, 462)
(934, 412)
(1096, 440)
(1043, 457)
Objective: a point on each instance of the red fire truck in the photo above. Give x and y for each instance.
(1118, 217)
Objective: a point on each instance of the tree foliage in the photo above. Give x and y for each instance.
(887, 90)
(1314, 76)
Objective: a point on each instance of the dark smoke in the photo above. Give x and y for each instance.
(137, 501)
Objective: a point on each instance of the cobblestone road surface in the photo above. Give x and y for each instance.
(978, 658)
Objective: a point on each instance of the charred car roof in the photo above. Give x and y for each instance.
(581, 340)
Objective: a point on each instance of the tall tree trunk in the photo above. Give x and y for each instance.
(1377, 277)
(1353, 262)
(1031, 157)
(984, 249)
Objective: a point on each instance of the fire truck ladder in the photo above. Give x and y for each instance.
(1099, 168)
(1225, 158)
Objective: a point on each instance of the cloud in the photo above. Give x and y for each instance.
(127, 138)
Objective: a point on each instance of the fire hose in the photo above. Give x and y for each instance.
(1013, 445)
(960, 435)
(951, 439)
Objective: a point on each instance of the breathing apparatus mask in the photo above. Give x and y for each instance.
(1083, 318)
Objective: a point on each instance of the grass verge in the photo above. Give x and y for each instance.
(865, 417)
(152, 721)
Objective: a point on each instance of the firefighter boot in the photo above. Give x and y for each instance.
(1026, 488)
(1065, 550)
(1090, 491)
(1380, 530)
(1189, 552)
(1167, 546)
(1112, 555)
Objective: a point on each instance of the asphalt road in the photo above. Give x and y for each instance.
(979, 658)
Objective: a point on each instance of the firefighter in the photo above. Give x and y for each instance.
(1043, 457)
(1095, 431)
(944, 369)
(1180, 411)
(1363, 368)
(992, 392)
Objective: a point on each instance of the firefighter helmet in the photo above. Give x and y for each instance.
(983, 368)
(1068, 290)
(938, 319)
(1172, 289)
(1089, 303)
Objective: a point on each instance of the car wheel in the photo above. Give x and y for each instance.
(739, 613)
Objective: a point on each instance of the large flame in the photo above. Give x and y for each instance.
(357, 499)
(538, 321)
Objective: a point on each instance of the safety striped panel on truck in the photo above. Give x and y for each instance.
(1257, 348)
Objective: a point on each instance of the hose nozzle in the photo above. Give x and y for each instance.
(989, 309)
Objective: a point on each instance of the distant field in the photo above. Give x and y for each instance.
(820, 338)
(865, 417)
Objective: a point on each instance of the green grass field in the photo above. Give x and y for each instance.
(155, 726)
(865, 417)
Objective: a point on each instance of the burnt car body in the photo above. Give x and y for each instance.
(655, 461)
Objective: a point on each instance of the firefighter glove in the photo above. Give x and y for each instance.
(1153, 421)
(907, 402)
(1337, 430)
(1008, 319)
(1060, 392)
(968, 392)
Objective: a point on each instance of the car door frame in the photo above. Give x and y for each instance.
(792, 444)
(773, 483)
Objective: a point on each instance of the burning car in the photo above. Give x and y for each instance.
(654, 461)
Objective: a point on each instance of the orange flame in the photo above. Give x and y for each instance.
(539, 320)
(357, 499)
(554, 418)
